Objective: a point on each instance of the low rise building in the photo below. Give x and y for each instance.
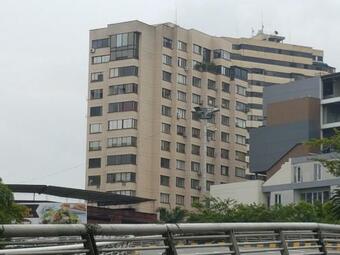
(298, 179)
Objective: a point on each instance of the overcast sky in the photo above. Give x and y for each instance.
(43, 66)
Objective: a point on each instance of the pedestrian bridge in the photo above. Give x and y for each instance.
(199, 238)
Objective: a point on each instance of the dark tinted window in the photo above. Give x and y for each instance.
(94, 162)
(100, 43)
(96, 111)
(121, 159)
(123, 106)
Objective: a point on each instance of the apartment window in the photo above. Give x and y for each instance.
(123, 71)
(166, 76)
(165, 145)
(211, 136)
(179, 200)
(181, 46)
(211, 101)
(181, 96)
(180, 164)
(225, 103)
(165, 163)
(240, 123)
(96, 111)
(241, 156)
(165, 180)
(164, 198)
(123, 106)
(224, 154)
(241, 107)
(209, 184)
(297, 174)
(180, 130)
(98, 76)
(95, 162)
(124, 141)
(100, 43)
(124, 46)
(166, 93)
(96, 94)
(122, 124)
(121, 177)
(94, 146)
(123, 89)
(256, 106)
(181, 79)
(195, 166)
(225, 170)
(166, 128)
(196, 99)
(195, 200)
(225, 120)
(255, 118)
(125, 192)
(225, 137)
(241, 90)
(124, 159)
(181, 113)
(166, 59)
(95, 128)
(210, 152)
(195, 184)
(93, 180)
(212, 85)
(196, 82)
(180, 147)
(317, 172)
(225, 87)
(210, 168)
(222, 54)
(196, 132)
(100, 59)
(167, 43)
(240, 139)
(277, 199)
(197, 49)
(195, 149)
(240, 172)
(166, 110)
(180, 182)
(182, 62)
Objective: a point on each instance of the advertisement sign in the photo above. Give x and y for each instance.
(56, 213)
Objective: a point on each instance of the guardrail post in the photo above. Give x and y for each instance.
(321, 242)
(169, 242)
(90, 243)
(234, 246)
(284, 246)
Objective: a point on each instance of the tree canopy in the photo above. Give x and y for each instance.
(10, 212)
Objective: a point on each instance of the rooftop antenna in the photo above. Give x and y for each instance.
(262, 26)
(252, 31)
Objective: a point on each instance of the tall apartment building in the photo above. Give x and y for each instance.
(270, 61)
(143, 137)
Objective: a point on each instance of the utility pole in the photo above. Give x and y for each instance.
(204, 114)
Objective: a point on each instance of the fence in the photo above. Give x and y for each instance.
(172, 239)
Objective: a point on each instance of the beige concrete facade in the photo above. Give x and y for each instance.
(270, 61)
(157, 150)
(149, 118)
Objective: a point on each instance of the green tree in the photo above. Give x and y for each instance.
(172, 216)
(333, 164)
(10, 212)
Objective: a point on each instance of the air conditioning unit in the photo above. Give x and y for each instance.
(184, 135)
(199, 188)
(201, 102)
(178, 116)
(199, 173)
(224, 106)
(92, 50)
(186, 68)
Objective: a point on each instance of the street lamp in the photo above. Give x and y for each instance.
(204, 113)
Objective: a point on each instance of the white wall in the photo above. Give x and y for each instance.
(283, 176)
(243, 192)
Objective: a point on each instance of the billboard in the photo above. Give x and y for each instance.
(56, 213)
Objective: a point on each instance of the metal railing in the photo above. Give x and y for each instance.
(172, 239)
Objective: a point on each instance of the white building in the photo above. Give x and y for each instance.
(298, 179)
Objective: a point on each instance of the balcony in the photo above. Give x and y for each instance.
(331, 115)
